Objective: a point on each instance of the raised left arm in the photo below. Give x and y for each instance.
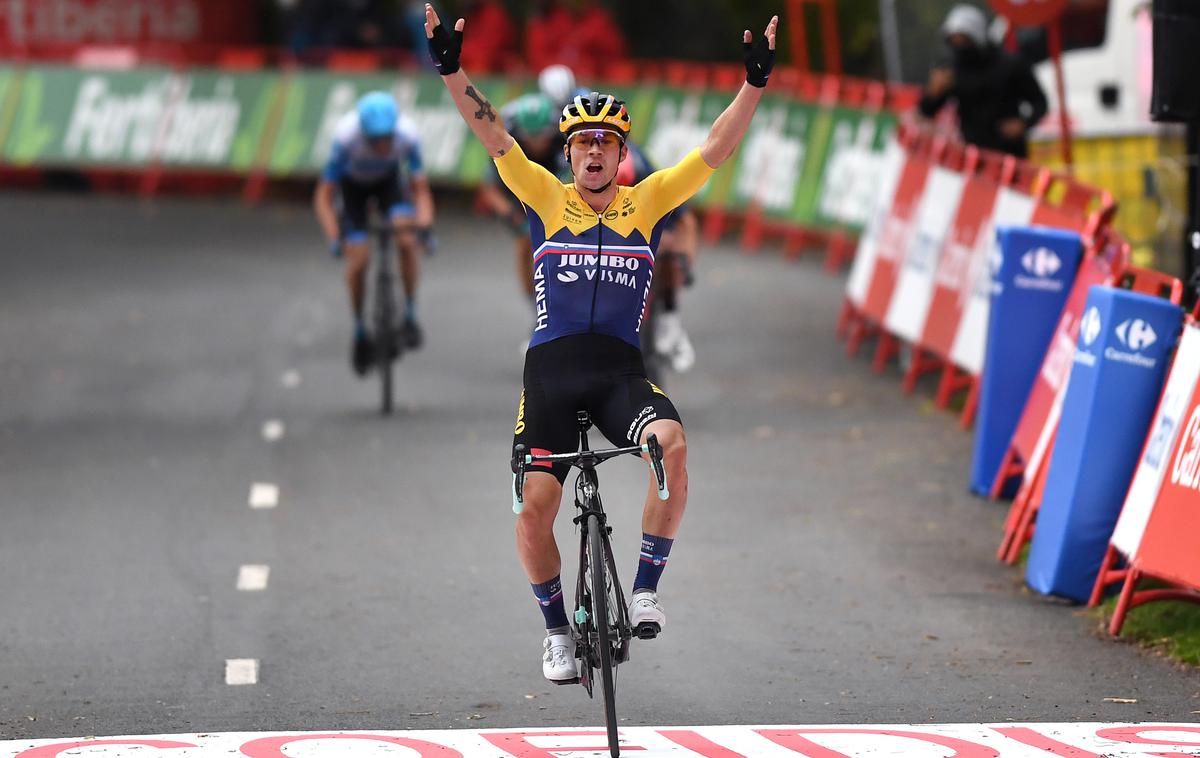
(730, 127)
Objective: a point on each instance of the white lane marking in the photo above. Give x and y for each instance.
(290, 379)
(240, 671)
(264, 495)
(253, 578)
(1011, 740)
(272, 430)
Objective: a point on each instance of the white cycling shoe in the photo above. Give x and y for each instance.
(671, 341)
(558, 659)
(646, 615)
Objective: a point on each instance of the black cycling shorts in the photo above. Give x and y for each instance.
(390, 195)
(596, 373)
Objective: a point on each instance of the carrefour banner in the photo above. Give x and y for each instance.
(802, 162)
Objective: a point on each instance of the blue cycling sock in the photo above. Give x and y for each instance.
(410, 309)
(550, 597)
(360, 329)
(651, 562)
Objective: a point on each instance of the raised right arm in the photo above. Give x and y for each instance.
(480, 115)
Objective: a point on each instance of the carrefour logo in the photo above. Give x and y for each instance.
(1041, 262)
(1089, 327)
(1040, 265)
(1136, 334)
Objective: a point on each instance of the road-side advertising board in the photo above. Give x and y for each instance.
(1012, 208)
(1170, 544)
(896, 235)
(1160, 443)
(197, 119)
(775, 157)
(862, 270)
(961, 249)
(678, 120)
(1037, 267)
(850, 180)
(1120, 361)
(909, 307)
(839, 741)
(1040, 414)
(316, 100)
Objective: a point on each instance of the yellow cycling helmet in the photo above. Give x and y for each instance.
(595, 111)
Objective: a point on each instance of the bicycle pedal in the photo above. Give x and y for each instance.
(647, 630)
(566, 681)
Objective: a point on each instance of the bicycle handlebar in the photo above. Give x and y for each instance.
(587, 459)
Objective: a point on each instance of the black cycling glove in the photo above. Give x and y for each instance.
(444, 47)
(760, 59)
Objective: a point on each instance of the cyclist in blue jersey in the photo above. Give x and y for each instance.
(594, 246)
(375, 157)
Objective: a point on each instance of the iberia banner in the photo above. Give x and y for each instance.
(55, 25)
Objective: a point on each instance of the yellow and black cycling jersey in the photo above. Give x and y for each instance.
(592, 271)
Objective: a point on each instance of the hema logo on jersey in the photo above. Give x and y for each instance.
(1040, 265)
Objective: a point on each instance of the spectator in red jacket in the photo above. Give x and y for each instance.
(600, 39)
(492, 43)
(552, 36)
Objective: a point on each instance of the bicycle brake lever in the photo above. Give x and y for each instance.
(518, 467)
(660, 475)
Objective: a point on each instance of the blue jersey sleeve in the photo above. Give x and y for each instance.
(415, 164)
(335, 167)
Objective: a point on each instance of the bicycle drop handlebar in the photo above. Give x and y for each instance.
(586, 459)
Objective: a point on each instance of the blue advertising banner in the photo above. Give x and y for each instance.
(1125, 343)
(1030, 285)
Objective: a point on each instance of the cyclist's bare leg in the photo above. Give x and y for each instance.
(536, 546)
(663, 518)
(408, 251)
(358, 255)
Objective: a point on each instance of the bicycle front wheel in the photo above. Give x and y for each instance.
(603, 626)
(385, 342)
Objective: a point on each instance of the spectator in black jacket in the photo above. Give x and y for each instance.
(998, 98)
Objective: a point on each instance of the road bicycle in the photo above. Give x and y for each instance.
(600, 623)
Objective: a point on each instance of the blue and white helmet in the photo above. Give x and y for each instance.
(377, 114)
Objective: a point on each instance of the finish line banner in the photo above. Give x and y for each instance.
(843, 741)
(280, 124)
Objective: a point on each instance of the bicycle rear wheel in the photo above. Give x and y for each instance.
(603, 626)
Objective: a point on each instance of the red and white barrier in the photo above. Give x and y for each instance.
(1157, 533)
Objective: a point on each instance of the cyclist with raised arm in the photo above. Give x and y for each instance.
(594, 244)
(375, 156)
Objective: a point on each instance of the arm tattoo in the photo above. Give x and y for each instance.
(485, 108)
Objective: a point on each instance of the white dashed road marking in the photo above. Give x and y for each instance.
(240, 671)
(253, 578)
(264, 495)
(272, 430)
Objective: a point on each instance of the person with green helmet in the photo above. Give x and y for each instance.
(532, 120)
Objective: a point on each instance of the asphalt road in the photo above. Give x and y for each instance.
(832, 567)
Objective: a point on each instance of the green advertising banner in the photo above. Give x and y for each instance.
(773, 158)
(314, 101)
(800, 162)
(670, 122)
(201, 119)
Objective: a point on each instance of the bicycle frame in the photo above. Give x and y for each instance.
(600, 624)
